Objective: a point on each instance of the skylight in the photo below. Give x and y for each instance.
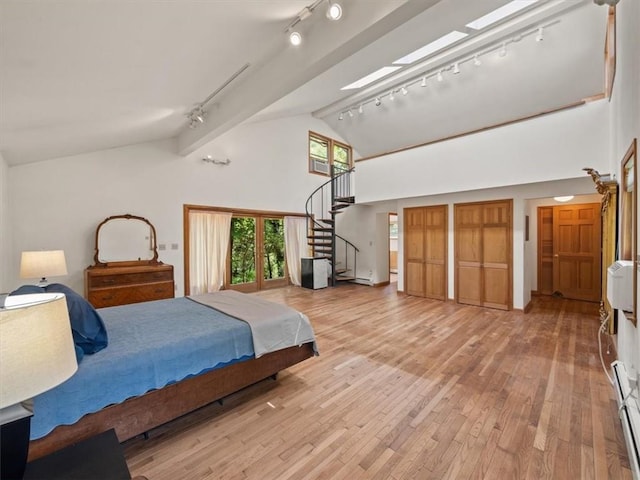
(372, 77)
(500, 13)
(432, 47)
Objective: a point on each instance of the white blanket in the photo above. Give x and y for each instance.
(273, 326)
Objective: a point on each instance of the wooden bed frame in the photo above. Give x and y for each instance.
(138, 415)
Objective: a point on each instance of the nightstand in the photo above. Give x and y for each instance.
(97, 458)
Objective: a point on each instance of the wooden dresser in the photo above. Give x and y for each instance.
(106, 286)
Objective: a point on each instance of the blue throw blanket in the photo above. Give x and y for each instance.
(151, 345)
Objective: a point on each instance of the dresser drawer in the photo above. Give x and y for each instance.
(100, 281)
(122, 295)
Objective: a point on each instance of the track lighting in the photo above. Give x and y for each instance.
(454, 68)
(196, 116)
(341, 116)
(334, 12)
(215, 161)
(295, 38)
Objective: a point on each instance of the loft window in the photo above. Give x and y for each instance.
(325, 151)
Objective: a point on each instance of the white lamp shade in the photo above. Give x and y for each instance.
(37, 351)
(40, 264)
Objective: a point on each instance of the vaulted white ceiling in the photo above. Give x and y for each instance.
(79, 76)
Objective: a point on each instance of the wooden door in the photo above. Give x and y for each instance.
(436, 252)
(496, 255)
(468, 241)
(545, 250)
(576, 251)
(414, 251)
(425, 251)
(483, 240)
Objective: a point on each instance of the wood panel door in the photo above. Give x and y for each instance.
(414, 251)
(425, 233)
(576, 251)
(483, 239)
(545, 250)
(468, 241)
(436, 252)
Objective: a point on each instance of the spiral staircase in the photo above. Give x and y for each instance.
(322, 207)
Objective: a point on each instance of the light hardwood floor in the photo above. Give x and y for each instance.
(410, 388)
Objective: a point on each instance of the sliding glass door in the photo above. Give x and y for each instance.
(256, 253)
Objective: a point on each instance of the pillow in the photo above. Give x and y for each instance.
(89, 332)
(87, 327)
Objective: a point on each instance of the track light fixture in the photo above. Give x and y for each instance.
(215, 161)
(334, 12)
(197, 114)
(295, 38)
(341, 116)
(539, 35)
(500, 48)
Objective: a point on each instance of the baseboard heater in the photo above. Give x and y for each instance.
(629, 415)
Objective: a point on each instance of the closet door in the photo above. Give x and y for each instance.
(436, 252)
(468, 245)
(496, 255)
(425, 251)
(414, 251)
(483, 240)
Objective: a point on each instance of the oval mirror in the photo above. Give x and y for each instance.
(125, 238)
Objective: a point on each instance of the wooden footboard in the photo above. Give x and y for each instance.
(140, 414)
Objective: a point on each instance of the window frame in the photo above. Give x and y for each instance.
(330, 154)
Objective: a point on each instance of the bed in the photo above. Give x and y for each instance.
(167, 358)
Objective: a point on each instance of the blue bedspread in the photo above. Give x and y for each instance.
(151, 345)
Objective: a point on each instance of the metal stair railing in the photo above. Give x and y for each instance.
(329, 198)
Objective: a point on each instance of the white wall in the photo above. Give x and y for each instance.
(547, 148)
(542, 157)
(57, 204)
(5, 231)
(624, 126)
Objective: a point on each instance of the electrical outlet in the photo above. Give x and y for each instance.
(162, 246)
(174, 246)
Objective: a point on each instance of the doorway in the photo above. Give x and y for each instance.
(393, 247)
(569, 258)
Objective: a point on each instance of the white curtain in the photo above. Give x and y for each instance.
(295, 244)
(209, 234)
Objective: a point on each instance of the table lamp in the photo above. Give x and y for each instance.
(42, 264)
(36, 354)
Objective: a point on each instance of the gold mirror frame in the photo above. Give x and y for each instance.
(133, 262)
